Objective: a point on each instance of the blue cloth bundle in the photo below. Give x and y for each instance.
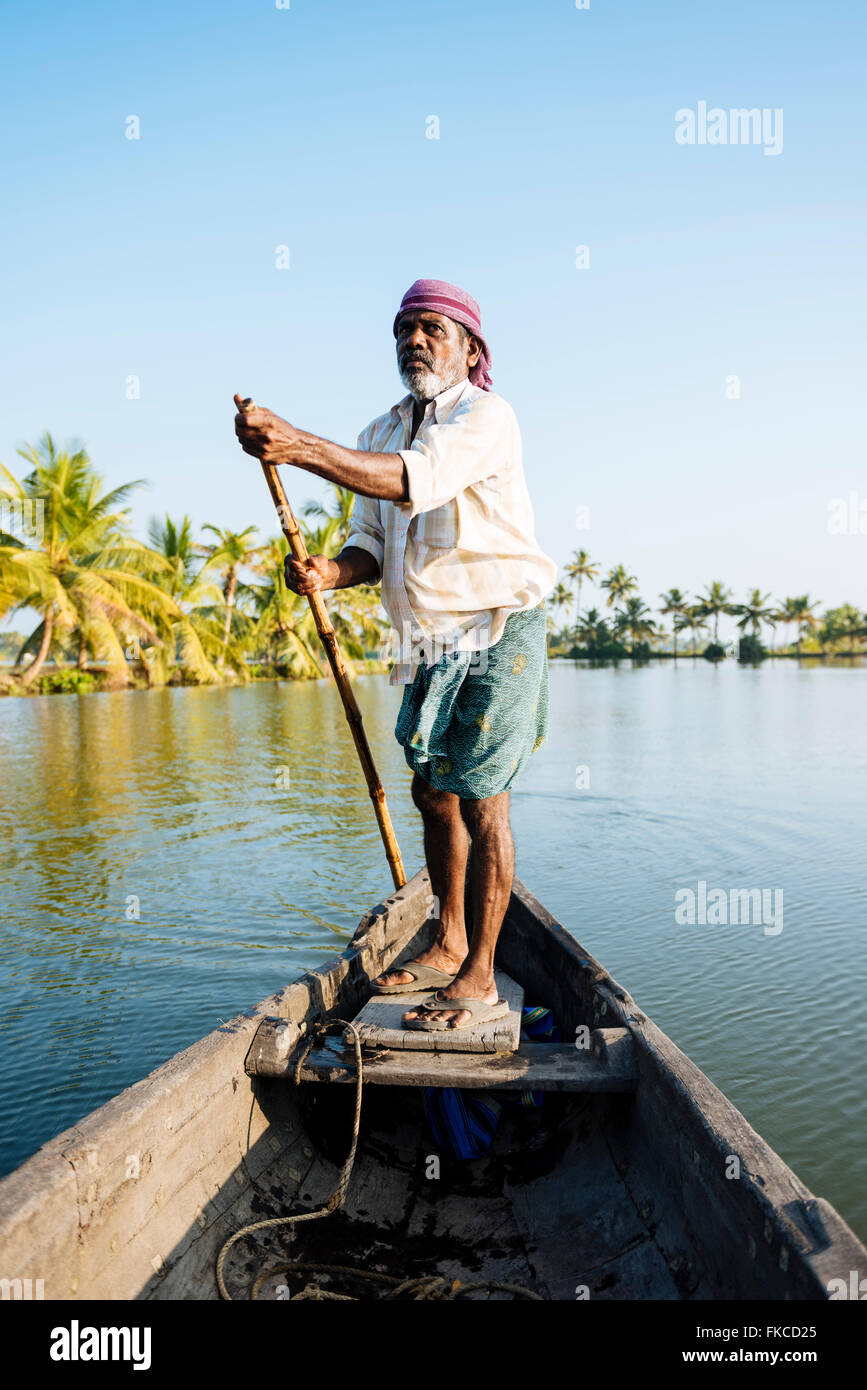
(465, 1122)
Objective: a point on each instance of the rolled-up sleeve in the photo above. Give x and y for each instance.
(366, 530)
(481, 438)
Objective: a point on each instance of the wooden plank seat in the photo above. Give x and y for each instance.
(608, 1064)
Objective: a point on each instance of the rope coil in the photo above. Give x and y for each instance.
(338, 1196)
(420, 1287)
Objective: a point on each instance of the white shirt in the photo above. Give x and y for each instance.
(459, 556)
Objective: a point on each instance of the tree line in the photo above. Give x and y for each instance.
(175, 610)
(628, 627)
(168, 610)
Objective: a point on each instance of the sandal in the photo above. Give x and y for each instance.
(425, 977)
(480, 1013)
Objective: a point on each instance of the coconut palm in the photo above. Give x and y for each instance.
(87, 577)
(593, 631)
(799, 611)
(775, 616)
(580, 567)
(193, 639)
(676, 603)
(561, 597)
(619, 585)
(753, 613)
(634, 620)
(356, 613)
(283, 624)
(230, 554)
(841, 627)
(692, 621)
(342, 501)
(787, 610)
(851, 624)
(715, 601)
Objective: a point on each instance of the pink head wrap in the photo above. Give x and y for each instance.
(442, 298)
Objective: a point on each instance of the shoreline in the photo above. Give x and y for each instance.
(88, 682)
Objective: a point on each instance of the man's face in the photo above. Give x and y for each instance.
(433, 353)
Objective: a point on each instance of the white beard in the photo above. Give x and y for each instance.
(423, 384)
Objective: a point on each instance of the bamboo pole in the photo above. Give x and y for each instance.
(326, 632)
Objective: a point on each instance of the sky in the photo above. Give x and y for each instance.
(689, 387)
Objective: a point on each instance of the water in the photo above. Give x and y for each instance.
(235, 823)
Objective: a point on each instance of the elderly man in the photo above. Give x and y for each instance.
(443, 517)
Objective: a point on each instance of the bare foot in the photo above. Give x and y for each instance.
(447, 953)
(462, 987)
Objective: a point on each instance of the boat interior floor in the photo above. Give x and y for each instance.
(546, 1208)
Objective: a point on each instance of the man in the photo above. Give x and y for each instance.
(443, 517)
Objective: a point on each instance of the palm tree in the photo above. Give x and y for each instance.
(560, 597)
(340, 512)
(787, 610)
(283, 621)
(676, 603)
(775, 616)
(634, 619)
(619, 585)
(231, 552)
(753, 613)
(693, 621)
(86, 575)
(593, 631)
(841, 625)
(850, 625)
(714, 602)
(580, 567)
(356, 613)
(799, 611)
(194, 637)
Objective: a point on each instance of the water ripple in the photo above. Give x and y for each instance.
(170, 858)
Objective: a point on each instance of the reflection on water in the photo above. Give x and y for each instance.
(172, 857)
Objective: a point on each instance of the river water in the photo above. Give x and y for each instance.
(171, 857)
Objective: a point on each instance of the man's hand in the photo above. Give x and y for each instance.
(318, 573)
(263, 434)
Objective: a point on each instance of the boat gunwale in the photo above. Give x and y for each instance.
(50, 1202)
(790, 1221)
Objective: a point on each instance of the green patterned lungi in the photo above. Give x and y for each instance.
(467, 725)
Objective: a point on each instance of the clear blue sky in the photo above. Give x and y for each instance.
(306, 127)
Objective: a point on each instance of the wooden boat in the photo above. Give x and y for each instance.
(637, 1179)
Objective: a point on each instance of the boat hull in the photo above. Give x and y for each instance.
(662, 1191)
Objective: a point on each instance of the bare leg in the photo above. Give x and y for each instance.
(493, 868)
(446, 849)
